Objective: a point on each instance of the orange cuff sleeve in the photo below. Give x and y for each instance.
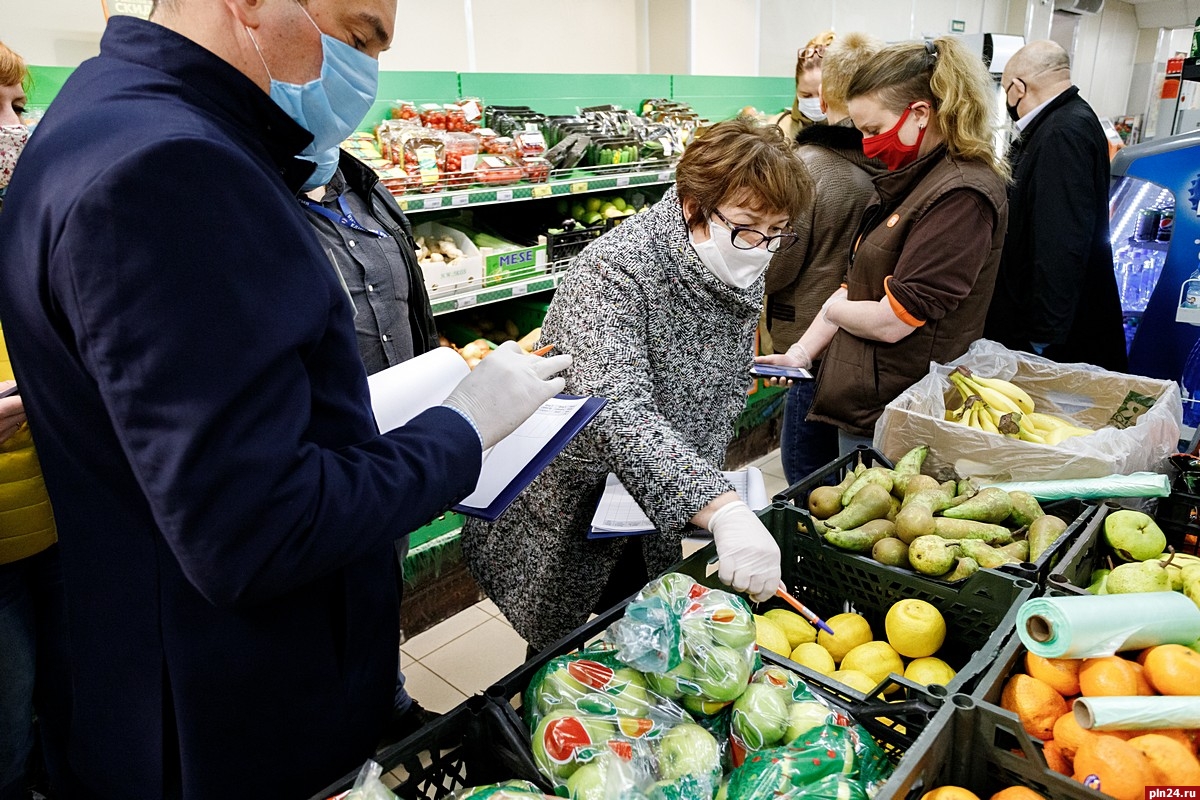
(900, 311)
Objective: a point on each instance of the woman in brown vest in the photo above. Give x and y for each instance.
(924, 263)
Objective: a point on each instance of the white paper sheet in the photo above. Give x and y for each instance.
(503, 462)
(402, 392)
(618, 513)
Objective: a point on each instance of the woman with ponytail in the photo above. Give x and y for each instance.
(921, 274)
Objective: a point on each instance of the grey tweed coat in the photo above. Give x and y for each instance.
(670, 346)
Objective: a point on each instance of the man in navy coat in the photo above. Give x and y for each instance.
(225, 503)
(1056, 293)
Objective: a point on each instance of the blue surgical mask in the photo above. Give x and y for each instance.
(331, 106)
(327, 164)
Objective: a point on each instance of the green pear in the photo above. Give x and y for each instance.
(1099, 581)
(932, 555)
(965, 568)
(1018, 550)
(989, 505)
(891, 552)
(862, 538)
(913, 522)
(1025, 508)
(1134, 536)
(1043, 532)
(1191, 584)
(987, 556)
(872, 501)
(1138, 576)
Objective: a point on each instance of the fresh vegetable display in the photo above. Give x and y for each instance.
(946, 530)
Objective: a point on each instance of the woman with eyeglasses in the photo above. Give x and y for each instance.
(925, 257)
(659, 316)
(806, 108)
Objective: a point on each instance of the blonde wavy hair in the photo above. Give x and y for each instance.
(842, 59)
(952, 79)
(815, 50)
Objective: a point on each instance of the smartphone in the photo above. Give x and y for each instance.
(775, 371)
(10, 391)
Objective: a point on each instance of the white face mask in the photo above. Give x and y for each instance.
(811, 108)
(12, 142)
(733, 267)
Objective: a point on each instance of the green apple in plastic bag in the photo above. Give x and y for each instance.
(760, 716)
(803, 717)
(689, 750)
(564, 741)
(509, 790)
(730, 621)
(675, 683)
(722, 673)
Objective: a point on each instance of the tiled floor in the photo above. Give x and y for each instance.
(473, 649)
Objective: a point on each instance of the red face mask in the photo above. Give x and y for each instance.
(888, 148)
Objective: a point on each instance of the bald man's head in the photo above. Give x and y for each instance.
(1038, 72)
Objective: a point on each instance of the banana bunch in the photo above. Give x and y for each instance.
(1003, 408)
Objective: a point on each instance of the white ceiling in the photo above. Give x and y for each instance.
(1166, 13)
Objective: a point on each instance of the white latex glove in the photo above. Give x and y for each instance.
(12, 412)
(505, 389)
(749, 553)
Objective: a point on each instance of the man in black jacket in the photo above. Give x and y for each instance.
(366, 235)
(1056, 294)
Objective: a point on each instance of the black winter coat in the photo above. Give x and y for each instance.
(1056, 283)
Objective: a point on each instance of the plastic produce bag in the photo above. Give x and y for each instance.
(695, 644)
(368, 786)
(776, 709)
(1090, 396)
(509, 790)
(595, 758)
(595, 683)
(830, 762)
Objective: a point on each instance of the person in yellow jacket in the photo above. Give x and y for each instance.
(31, 593)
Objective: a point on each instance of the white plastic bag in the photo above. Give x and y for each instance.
(1089, 395)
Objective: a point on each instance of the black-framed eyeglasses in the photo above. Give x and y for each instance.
(747, 238)
(816, 51)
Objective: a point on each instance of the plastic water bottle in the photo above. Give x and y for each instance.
(1190, 383)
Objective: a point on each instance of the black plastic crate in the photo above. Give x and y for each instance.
(894, 725)
(1179, 517)
(1080, 518)
(472, 745)
(568, 244)
(979, 747)
(980, 612)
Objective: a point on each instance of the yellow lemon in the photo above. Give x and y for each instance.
(795, 626)
(950, 793)
(856, 680)
(849, 631)
(927, 670)
(876, 659)
(771, 636)
(915, 629)
(815, 657)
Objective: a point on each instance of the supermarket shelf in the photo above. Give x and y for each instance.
(470, 298)
(574, 182)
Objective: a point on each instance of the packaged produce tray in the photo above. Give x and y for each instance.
(472, 745)
(1080, 516)
(981, 748)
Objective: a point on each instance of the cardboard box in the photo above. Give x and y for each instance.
(505, 261)
(1090, 396)
(465, 274)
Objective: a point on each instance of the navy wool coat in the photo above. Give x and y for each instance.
(225, 504)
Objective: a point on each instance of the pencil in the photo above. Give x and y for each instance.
(541, 351)
(804, 612)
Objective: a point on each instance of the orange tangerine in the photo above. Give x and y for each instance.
(1173, 669)
(950, 793)
(1056, 759)
(1174, 763)
(1017, 793)
(1182, 735)
(1069, 736)
(1111, 676)
(1122, 770)
(1035, 703)
(1061, 673)
(1143, 685)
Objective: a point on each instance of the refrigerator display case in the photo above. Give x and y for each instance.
(1155, 228)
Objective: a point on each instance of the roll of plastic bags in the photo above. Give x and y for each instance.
(1137, 713)
(1138, 484)
(1091, 627)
